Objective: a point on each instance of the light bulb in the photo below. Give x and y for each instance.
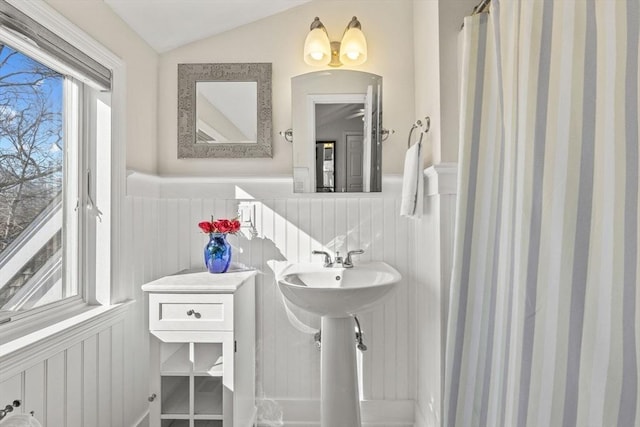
(317, 49)
(353, 55)
(353, 48)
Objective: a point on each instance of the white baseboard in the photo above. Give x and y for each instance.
(426, 416)
(306, 413)
(420, 421)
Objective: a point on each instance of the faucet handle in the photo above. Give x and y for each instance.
(327, 257)
(347, 261)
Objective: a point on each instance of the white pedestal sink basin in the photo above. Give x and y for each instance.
(336, 294)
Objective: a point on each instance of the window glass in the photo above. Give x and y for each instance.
(32, 183)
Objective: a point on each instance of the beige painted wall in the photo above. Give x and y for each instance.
(412, 44)
(427, 71)
(436, 27)
(388, 26)
(451, 14)
(99, 21)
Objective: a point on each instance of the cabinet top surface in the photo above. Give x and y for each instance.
(200, 282)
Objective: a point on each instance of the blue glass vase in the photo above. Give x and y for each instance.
(217, 253)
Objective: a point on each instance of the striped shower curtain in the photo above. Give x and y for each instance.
(544, 321)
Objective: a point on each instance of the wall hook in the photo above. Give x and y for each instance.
(287, 134)
(427, 124)
(386, 133)
(423, 126)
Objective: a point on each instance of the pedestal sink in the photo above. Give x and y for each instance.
(336, 294)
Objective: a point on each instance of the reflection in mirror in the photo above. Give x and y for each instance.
(225, 112)
(337, 144)
(325, 166)
(344, 124)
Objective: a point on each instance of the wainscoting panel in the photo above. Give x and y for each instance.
(81, 386)
(288, 229)
(102, 379)
(74, 385)
(433, 260)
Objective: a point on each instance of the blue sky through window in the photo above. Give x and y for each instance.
(31, 176)
(22, 81)
(31, 140)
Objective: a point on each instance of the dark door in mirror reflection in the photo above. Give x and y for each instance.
(325, 166)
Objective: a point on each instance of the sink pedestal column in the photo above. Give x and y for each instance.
(340, 403)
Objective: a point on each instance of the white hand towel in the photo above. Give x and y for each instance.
(412, 183)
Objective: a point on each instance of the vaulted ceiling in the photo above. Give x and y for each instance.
(168, 24)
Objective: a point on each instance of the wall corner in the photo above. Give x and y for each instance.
(441, 179)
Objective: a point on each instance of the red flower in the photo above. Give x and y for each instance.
(220, 226)
(206, 227)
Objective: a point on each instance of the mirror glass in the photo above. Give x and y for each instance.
(224, 110)
(337, 119)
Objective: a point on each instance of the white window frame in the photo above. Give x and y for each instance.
(101, 283)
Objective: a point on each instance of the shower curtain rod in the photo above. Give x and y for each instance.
(483, 6)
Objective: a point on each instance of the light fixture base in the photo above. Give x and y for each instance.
(335, 55)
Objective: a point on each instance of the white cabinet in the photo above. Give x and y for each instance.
(203, 353)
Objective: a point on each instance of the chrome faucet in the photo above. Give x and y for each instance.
(338, 261)
(348, 263)
(327, 258)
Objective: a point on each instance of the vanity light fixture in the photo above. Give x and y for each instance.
(319, 50)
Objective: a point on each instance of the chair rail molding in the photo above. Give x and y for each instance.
(240, 187)
(441, 179)
(20, 354)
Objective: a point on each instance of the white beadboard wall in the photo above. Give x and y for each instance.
(96, 374)
(433, 257)
(88, 382)
(100, 377)
(164, 213)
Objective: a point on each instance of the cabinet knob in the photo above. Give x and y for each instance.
(152, 397)
(193, 313)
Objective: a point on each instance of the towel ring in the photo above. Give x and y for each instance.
(410, 133)
(418, 124)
